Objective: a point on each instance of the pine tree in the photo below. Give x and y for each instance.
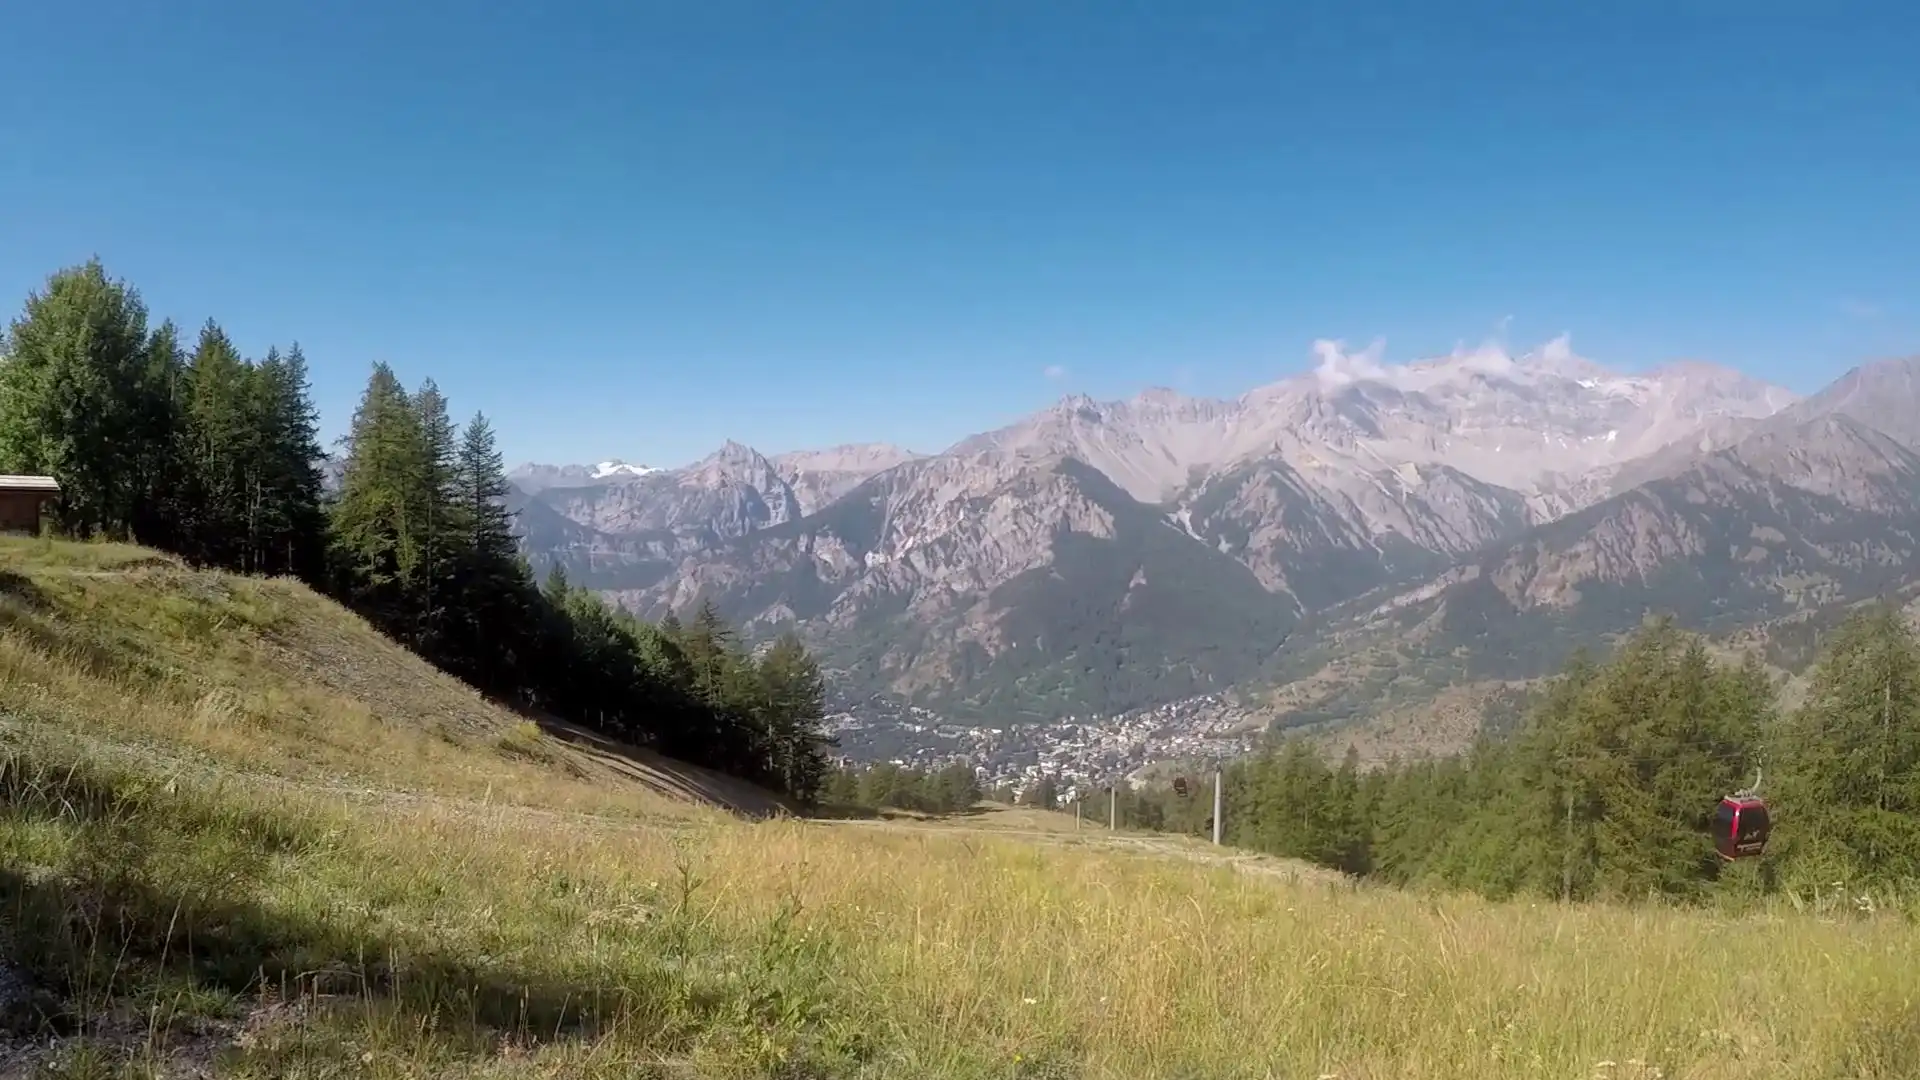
(711, 646)
(285, 522)
(217, 459)
(221, 446)
(380, 518)
(1348, 836)
(481, 479)
(164, 491)
(796, 710)
(1849, 795)
(556, 587)
(842, 788)
(958, 786)
(722, 683)
(1044, 794)
(445, 533)
(493, 583)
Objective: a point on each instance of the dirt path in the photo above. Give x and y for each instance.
(1097, 837)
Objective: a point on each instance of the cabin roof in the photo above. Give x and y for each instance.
(29, 483)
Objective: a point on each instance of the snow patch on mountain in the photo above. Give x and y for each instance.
(616, 467)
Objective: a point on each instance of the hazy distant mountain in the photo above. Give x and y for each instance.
(535, 478)
(818, 477)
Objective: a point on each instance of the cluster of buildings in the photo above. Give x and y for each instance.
(1081, 753)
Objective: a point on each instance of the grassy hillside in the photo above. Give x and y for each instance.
(242, 834)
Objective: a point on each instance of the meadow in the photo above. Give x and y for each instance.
(242, 834)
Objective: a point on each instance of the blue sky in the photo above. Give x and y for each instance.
(638, 229)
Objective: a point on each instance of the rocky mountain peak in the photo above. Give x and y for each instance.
(1833, 455)
(1079, 408)
(733, 463)
(732, 452)
(1882, 395)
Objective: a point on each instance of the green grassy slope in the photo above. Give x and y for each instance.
(241, 835)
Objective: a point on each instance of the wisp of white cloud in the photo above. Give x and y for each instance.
(1860, 309)
(1490, 357)
(1338, 367)
(1055, 372)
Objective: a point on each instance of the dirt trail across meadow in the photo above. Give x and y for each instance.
(1056, 830)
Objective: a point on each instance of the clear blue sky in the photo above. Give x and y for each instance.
(637, 229)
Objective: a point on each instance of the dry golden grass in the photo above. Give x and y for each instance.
(431, 890)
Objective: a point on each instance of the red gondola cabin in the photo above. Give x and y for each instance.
(1740, 827)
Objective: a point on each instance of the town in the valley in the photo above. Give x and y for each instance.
(1082, 753)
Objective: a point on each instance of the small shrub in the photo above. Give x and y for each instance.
(524, 740)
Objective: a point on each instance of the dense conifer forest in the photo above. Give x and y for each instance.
(183, 444)
(1608, 789)
(951, 789)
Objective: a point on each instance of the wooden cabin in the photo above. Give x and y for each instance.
(23, 501)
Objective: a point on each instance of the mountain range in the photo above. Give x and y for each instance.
(1330, 544)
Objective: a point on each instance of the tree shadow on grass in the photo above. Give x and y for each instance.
(127, 907)
(835, 811)
(29, 612)
(845, 812)
(20, 589)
